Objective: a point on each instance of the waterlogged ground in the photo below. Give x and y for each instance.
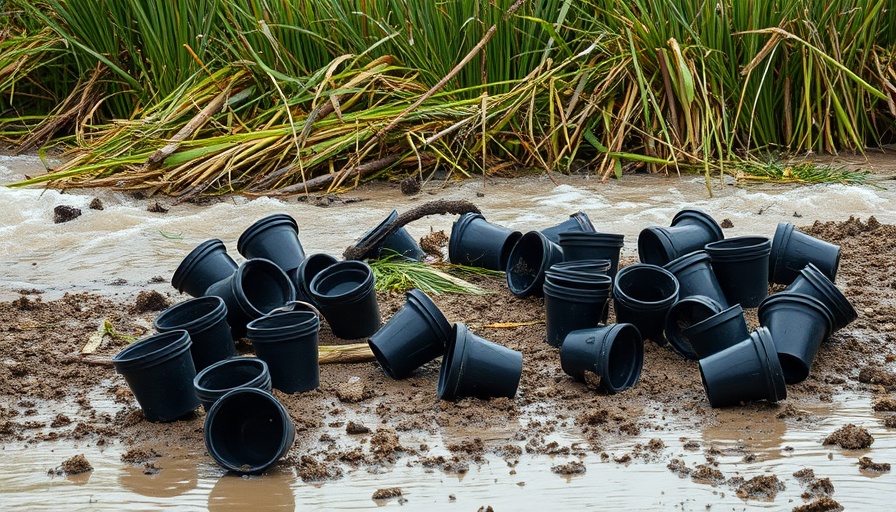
(557, 444)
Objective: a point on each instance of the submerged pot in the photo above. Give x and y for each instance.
(614, 353)
(344, 293)
(478, 243)
(205, 318)
(288, 342)
(741, 266)
(257, 287)
(530, 258)
(576, 222)
(224, 376)
(416, 334)
(690, 231)
(400, 242)
(792, 250)
(744, 372)
(160, 372)
(475, 367)
(799, 324)
(274, 238)
(642, 296)
(207, 264)
(248, 430)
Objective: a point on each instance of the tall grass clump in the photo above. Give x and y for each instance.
(289, 96)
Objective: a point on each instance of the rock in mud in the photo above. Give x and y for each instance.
(385, 494)
(409, 186)
(96, 204)
(866, 464)
(65, 213)
(850, 437)
(760, 487)
(825, 504)
(356, 428)
(75, 465)
(572, 468)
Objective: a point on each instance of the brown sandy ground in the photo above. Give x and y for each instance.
(379, 422)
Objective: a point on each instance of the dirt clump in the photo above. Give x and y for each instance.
(704, 474)
(571, 468)
(850, 437)
(139, 455)
(96, 204)
(866, 464)
(884, 404)
(354, 392)
(760, 487)
(149, 300)
(385, 494)
(870, 375)
(678, 467)
(434, 242)
(824, 504)
(890, 421)
(356, 428)
(818, 487)
(310, 469)
(409, 186)
(75, 465)
(65, 213)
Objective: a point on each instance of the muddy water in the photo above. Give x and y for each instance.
(119, 250)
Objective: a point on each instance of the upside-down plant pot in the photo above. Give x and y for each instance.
(160, 373)
(205, 318)
(475, 367)
(274, 238)
(204, 266)
(288, 342)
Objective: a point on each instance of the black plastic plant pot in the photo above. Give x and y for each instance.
(614, 353)
(344, 293)
(691, 230)
(476, 242)
(601, 266)
(400, 242)
(207, 264)
(248, 430)
(224, 376)
(745, 372)
(160, 373)
(592, 246)
(530, 258)
(696, 277)
(415, 335)
(717, 332)
(257, 287)
(287, 341)
(814, 282)
(205, 318)
(576, 222)
(741, 266)
(310, 267)
(275, 238)
(642, 295)
(799, 324)
(475, 367)
(792, 250)
(570, 309)
(685, 313)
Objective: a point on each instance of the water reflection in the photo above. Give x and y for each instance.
(751, 429)
(268, 492)
(165, 478)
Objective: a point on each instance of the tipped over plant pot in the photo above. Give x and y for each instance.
(205, 318)
(792, 250)
(745, 372)
(416, 334)
(812, 281)
(578, 221)
(529, 259)
(478, 243)
(475, 367)
(690, 231)
(224, 376)
(614, 353)
(741, 266)
(716, 333)
(204, 266)
(684, 314)
(274, 238)
(799, 324)
(398, 242)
